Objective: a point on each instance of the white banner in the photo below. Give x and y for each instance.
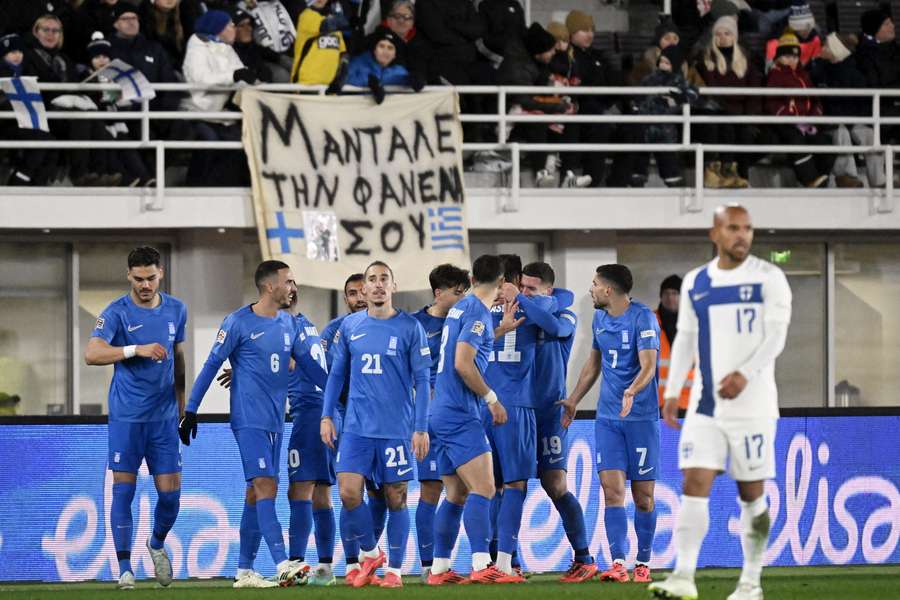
(340, 181)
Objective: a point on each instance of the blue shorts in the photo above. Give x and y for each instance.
(381, 460)
(309, 459)
(458, 443)
(513, 444)
(260, 452)
(630, 446)
(155, 441)
(427, 469)
(552, 449)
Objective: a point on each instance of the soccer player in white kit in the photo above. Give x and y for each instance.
(733, 317)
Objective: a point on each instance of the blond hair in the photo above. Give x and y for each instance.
(48, 17)
(713, 59)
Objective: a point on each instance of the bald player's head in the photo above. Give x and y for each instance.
(732, 232)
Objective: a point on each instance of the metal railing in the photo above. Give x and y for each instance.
(884, 202)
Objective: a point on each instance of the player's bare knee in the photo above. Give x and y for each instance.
(124, 477)
(395, 496)
(168, 482)
(554, 484)
(321, 496)
(614, 495)
(265, 488)
(300, 490)
(644, 503)
(350, 497)
(431, 491)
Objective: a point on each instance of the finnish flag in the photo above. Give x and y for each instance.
(28, 104)
(132, 82)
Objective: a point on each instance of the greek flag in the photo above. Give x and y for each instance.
(25, 97)
(132, 82)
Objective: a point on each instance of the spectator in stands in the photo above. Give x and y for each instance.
(262, 61)
(18, 16)
(400, 19)
(811, 169)
(211, 60)
(45, 58)
(503, 20)
(666, 34)
(320, 46)
(381, 65)
(29, 167)
(272, 29)
(801, 23)
(590, 70)
(836, 68)
(878, 56)
(724, 63)
(170, 23)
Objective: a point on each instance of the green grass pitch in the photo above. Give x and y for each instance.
(787, 583)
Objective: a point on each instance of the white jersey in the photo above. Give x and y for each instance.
(729, 311)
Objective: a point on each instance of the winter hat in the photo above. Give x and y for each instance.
(801, 18)
(675, 55)
(672, 282)
(664, 27)
(841, 45)
(558, 30)
(122, 8)
(212, 22)
(11, 43)
(240, 15)
(383, 33)
(788, 45)
(872, 20)
(538, 40)
(727, 22)
(579, 21)
(98, 45)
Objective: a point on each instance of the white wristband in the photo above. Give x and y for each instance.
(490, 398)
(129, 351)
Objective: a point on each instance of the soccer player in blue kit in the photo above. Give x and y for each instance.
(141, 334)
(384, 354)
(625, 347)
(551, 358)
(259, 340)
(448, 284)
(464, 453)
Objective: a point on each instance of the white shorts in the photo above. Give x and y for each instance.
(745, 446)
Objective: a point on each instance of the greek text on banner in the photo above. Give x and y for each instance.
(339, 182)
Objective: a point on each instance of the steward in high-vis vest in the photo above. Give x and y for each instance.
(667, 315)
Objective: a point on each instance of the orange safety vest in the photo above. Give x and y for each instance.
(665, 359)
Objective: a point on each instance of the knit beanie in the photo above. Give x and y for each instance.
(98, 45)
(11, 43)
(212, 22)
(728, 23)
(672, 282)
(538, 40)
(788, 45)
(801, 18)
(665, 26)
(841, 45)
(675, 56)
(579, 21)
(383, 33)
(872, 20)
(558, 30)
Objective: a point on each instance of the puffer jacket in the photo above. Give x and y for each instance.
(213, 63)
(798, 106)
(363, 65)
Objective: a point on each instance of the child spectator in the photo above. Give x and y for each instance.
(381, 65)
(802, 24)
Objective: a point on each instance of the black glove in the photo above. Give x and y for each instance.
(244, 74)
(416, 82)
(377, 89)
(337, 84)
(187, 428)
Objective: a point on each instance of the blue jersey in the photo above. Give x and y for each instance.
(143, 390)
(303, 394)
(511, 369)
(551, 357)
(259, 349)
(382, 358)
(329, 334)
(468, 321)
(433, 327)
(619, 339)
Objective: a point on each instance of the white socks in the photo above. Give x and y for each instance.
(693, 523)
(480, 560)
(504, 562)
(754, 538)
(440, 565)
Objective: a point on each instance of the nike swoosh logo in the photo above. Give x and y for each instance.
(353, 338)
(135, 328)
(644, 471)
(291, 473)
(427, 545)
(402, 472)
(700, 296)
(555, 460)
(253, 336)
(599, 331)
(431, 335)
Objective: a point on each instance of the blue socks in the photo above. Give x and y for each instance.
(509, 521)
(572, 516)
(616, 530)
(360, 526)
(446, 528)
(348, 541)
(425, 531)
(121, 523)
(477, 517)
(271, 529)
(645, 528)
(378, 510)
(324, 520)
(300, 527)
(398, 535)
(250, 537)
(495, 514)
(164, 517)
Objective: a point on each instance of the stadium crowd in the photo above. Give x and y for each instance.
(375, 45)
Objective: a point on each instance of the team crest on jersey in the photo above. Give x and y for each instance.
(624, 337)
(477, 327)
(746, 292)
(117, 457)
(392, 346)
(100, 323)
(220, 337)
(687, 450)
(171, 328)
